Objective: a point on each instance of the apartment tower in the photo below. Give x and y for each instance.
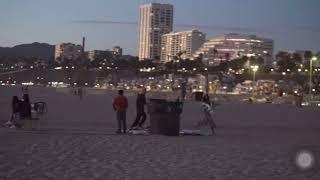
(154, 21)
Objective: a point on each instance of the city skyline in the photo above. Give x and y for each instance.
(46, 21)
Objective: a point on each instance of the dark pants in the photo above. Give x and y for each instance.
(121, 118)
(140, 119)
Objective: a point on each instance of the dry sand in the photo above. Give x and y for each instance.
(77, 141)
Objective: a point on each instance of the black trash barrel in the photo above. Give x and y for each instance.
(165, 117)
(198, 95)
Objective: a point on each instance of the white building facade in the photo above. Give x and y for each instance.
(176, 42)
(231, 46)
(67, 51)
(154, 21)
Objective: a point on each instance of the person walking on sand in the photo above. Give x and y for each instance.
(25, 110)
(80, 93)
(141, 115)
(207, 114)
(15, 106)
(120, 105)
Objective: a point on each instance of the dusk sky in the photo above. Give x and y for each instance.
(293, 24)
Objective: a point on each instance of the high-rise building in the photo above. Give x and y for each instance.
(186, 42)
(67, 51)
(231, 46)
(154, 21)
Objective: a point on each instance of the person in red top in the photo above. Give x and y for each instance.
(120, 105)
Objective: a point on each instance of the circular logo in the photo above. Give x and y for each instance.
(304, 160)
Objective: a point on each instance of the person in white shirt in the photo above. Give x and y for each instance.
(207, 119)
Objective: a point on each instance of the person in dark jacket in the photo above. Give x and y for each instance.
(120, 105)
(141, 115)
(15, 107)
(25, 108)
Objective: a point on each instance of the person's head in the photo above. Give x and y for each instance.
(206, 99)
(143, 90)
(120, 92)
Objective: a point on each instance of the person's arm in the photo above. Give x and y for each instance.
(114, 105)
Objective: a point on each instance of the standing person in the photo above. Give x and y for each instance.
(25, 112)
(120, 105)
(80, 93)
(25, 109)
(15, 106)
(207, 114)
(141, 115)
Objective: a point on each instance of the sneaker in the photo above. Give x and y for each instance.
(134, 128)
(12, 127)
(8, 123)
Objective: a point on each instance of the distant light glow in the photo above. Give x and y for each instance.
(27, 83)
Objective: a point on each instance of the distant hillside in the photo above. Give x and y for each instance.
(39, 50)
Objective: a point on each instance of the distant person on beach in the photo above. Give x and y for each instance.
(120, 105)
(25, 108)
(15, 106)
(141, 115)
(207, 118)
(80, 93)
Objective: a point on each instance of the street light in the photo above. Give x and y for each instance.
(314, 58)
(254, 69)
(207, 75)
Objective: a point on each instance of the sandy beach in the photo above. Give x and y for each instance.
(78, 141)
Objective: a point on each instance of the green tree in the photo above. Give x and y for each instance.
(308, 55)
(285, 61)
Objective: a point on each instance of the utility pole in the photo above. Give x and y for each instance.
(207, 76)
(310, 77)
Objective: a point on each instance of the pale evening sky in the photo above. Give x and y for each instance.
(293, 24)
